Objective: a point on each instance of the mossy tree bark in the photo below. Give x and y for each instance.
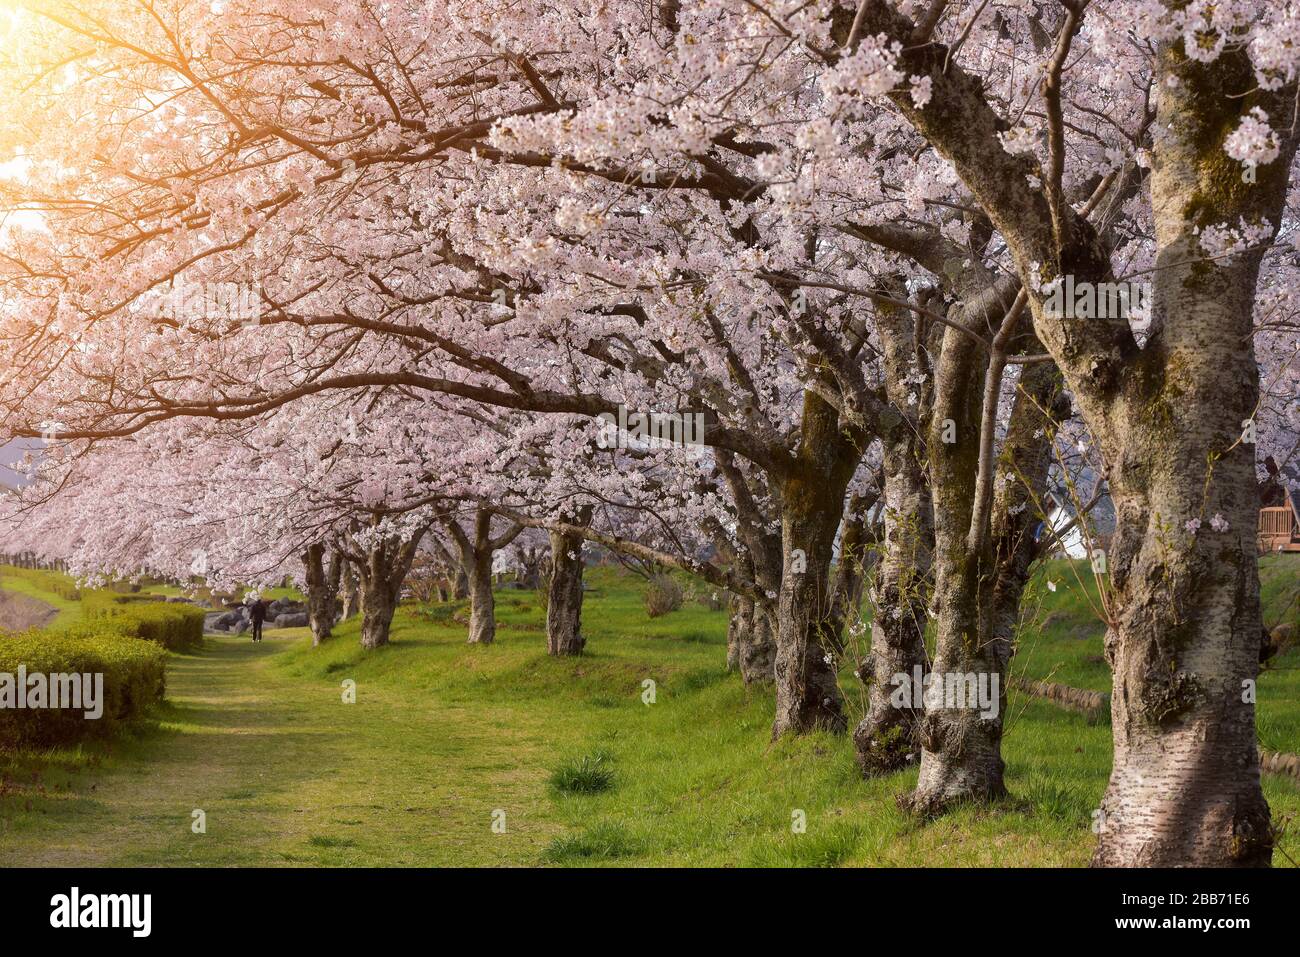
(812, 496)
(851, 565)
(888, 736)
(323, 580)
(564, 593)
(1184, 637)
(980, 575)
(751, 630)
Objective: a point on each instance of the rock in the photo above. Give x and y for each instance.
(291, 620)
(227, 619)
(1275, 643)
(242, 627)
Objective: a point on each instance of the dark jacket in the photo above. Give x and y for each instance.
(257, 610)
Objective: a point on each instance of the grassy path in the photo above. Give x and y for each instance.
(284, 771)
(443, 734)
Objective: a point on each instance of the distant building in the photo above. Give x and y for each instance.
(1065, 537)
(1279, 521)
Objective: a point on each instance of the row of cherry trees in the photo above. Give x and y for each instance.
(288, 286)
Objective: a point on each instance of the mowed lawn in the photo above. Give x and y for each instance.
(563, 756)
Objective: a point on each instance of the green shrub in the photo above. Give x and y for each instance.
(134, 678)
(173, 625)
(663, 594)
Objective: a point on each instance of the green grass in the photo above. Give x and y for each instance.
(589, 774)
(446, 738)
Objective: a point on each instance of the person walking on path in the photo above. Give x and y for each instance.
(256, 614)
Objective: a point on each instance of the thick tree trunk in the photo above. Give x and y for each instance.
(378, 604)
(978, 587)
(751, 640)
(751, 631)
(476, 550)
(1185, 788)
(380, 573)
(322, 591)
(807, 693)
(564, 597)
(740, 615)
(888, 737)
(758, 647)
(812, 501)
(1185, 619)
(482, 601)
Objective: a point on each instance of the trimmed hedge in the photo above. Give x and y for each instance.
(173, 625)
(134, 678)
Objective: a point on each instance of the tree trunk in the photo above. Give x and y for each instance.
(351, 593)
(812, 501)
(564, 601)
(751, 640)
(850, 569)
(482, 601)
(380, 575)
(758, 647)
(1183, 640)
(378, 605)
(1183, 645)
(322, 591)
(739, 610)
(476, 550)
(978, 587)
(888, 737)
(751, 631)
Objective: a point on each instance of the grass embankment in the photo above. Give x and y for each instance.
(444, 734)
(50, 587)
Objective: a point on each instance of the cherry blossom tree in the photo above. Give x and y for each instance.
(842, 233)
